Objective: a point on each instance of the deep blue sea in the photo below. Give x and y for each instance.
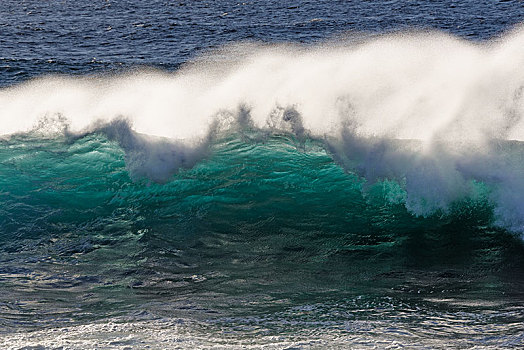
(261, 174)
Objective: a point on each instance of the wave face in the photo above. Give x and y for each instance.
(439, 117)
(266, 235)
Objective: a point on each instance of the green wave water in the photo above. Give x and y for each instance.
(265, 237)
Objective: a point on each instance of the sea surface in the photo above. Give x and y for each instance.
(261, 174)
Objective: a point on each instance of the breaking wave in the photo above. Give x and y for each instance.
(438, 117)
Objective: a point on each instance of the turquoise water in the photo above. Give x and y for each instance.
(267, 240)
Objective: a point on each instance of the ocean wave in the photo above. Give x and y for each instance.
(439, 116)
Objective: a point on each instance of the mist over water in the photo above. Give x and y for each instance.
(385, 86)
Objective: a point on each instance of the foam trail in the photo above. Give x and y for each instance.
(461, 102)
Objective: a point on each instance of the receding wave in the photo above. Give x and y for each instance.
(439, 117)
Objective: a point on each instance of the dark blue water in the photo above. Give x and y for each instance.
(261, 229)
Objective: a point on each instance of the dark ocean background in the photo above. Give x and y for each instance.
(253, 229)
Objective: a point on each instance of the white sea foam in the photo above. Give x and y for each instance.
(462, 102)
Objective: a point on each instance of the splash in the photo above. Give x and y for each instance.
(436, 114)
